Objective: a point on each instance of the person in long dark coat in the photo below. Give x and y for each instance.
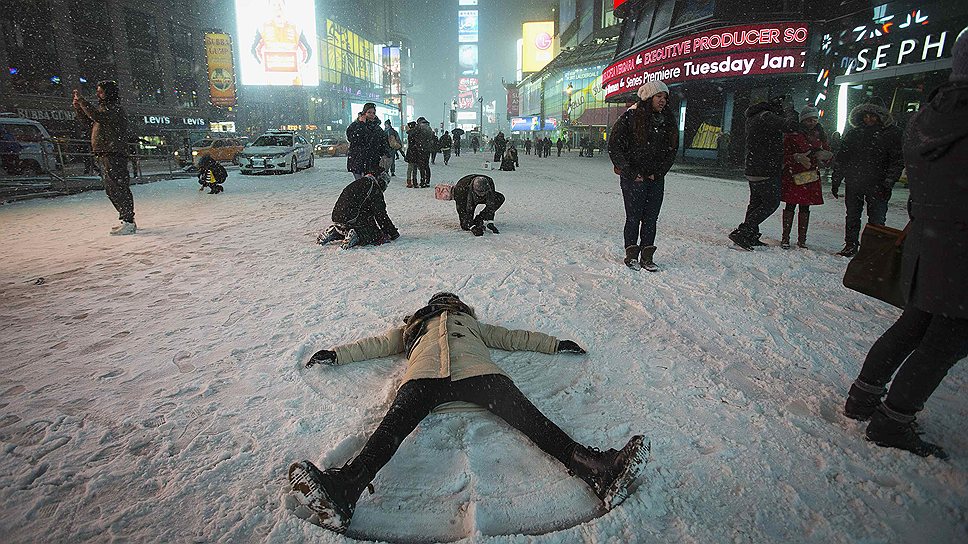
(932, 333)
(368, 143)
(360, 214)
(869, 161)
(644, 143)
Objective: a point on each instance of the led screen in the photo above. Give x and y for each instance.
(467, 26)
(277, 42)
(467, 55)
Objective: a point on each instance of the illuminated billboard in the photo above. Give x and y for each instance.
(467, 59)
(391, 67)
(277, 42)
(466, 92)
(345, 53)
(519, 124)
(467, 2)
(221, 71)
(467, 26)
(538, 45)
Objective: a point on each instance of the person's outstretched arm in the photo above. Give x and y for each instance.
(498, 337)
(374, 347)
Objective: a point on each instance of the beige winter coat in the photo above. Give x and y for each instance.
(453, 345)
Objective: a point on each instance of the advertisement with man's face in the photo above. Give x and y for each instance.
(277, 42)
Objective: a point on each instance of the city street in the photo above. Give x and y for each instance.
(154, 387)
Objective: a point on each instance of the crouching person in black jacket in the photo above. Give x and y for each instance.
(360, 215)
(470, 192)
(211, 174)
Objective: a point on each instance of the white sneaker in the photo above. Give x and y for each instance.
(124, 228)
(117, 227)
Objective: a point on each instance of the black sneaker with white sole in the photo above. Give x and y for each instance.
(326, 494)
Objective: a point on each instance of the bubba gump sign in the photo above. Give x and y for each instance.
(770, 48)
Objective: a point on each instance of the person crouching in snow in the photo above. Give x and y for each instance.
(471, 191)
(449, 362)
(211, 174)
(360, 214)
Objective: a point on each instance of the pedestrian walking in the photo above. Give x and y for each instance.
(766, 124)
(870, 162)
(644, 144)
(527, 146)
(500, 145)
(393, 139)
(423, 142)
(931, 336)
(109, 135)
(475, 143)
(560, 144)
(446, 143)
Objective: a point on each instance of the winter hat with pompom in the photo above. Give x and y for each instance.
(809, 111)
(959, 58)
(651, 89)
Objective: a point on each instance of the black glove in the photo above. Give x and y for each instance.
(568, 346)
(490, 226)
(324, 357)
(477, 230)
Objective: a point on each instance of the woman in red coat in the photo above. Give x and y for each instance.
(803, 152)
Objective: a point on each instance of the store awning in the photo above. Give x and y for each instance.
(599, 117)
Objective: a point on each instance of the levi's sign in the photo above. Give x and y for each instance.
(772, 48)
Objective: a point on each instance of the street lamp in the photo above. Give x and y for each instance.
(480, 100)
(568, 91)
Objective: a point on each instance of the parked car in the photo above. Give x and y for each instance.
(36, 154)
(276, 151)
(331, 147)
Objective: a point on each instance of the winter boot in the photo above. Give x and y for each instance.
(645, 260)
(489, 225)
(850, 249)
(787, 227)
(477, 229)
(330, 495)
(125, 229)
(862, 400)
(741, 239)
(632, 257)
(803, 222)
(328, 235)
(352, 239)
(891, 429)
(610, 473)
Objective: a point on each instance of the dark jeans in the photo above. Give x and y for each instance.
(854, 198)
(457, 150)
(643, 200)
(764, 200)
(114, 174)
(924, 346)
(416, 398)
(433, 158)
(423, 165)
(493, 204)
(446, 156)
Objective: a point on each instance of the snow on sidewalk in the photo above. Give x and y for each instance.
(153, 388)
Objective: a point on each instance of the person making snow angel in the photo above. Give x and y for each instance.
(449, 361)
(643, 147)
(360, 214)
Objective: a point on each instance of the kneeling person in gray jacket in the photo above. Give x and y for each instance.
(450, 362)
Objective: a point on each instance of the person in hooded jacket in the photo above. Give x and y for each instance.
(870, 162)
(360, 214)
(766, 124)
(445, 144)
(470, 192)
(643, 145)
(211, 174)
(804, 152)
(450, 368)
(368, 143)
(500, 145)
(410, 157)
(423, 142)
(932, 333)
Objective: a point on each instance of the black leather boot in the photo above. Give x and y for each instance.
(787, 227)
(862, 400)
(610, 473)
(645, 260)
(331, 495)
(891, 429)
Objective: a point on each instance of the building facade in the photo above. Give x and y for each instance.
(721, 56)
(153, 49)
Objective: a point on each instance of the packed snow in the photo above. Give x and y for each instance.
(153, 387)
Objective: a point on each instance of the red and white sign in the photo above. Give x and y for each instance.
(771, 48)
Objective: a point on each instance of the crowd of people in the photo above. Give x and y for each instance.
(785, 153)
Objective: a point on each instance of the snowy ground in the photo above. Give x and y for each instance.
(153, 388)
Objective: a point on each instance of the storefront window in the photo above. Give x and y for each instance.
(663, 17)
(704, 118)
(183, 55)
(146, 73)
(688, 11)
(32, 58)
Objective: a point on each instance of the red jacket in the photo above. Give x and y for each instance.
(802, 142)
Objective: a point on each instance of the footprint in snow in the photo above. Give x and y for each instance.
(181, 361)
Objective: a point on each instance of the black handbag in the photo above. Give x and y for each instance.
(876, 269)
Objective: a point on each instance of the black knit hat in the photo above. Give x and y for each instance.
(959, 58)
(441, 296)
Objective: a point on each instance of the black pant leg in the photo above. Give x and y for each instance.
(854, 200)
(894, 346)
(114, 174)
(501, 397)
(494, 202)
(944, 343)
(415, 399)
